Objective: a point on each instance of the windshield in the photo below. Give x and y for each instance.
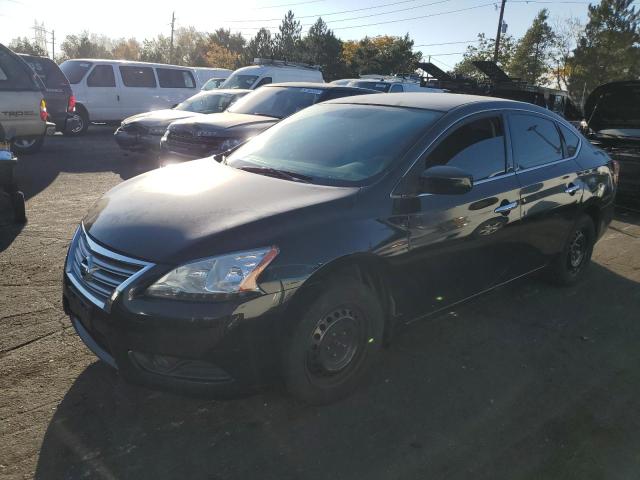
(208, 102)
(75, 70)
(336, 144)
(212, 83)
(278, 102)
(239, 81)
(380, 86)
(48, 72)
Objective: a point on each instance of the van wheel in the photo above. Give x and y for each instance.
(570, 266)
(27, 145)
(334, 344)
(80, 123)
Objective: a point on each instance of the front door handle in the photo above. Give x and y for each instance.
(506, 208)
(571, 189)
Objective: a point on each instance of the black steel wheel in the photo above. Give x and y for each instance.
(570, 266)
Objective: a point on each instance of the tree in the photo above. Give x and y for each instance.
(567, 34)
(190, 47)
(382, 55)
(126, 49)
(260, 46)
(608, 50)
(86, 45)
(156, 50)
(321, 47)
(533, 54)
(221, 57)
(483, 51)
(23, 45)
(288, 42)
(233, 42)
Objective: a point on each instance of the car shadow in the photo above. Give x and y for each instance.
(529, 381)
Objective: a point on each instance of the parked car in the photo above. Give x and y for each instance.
(299, 254)
(613, 124)
(143, 132)
(109, 91)
(205, 74)
(202, 136)
(267, 71)
(23, 110)
(393, 87)
(61, 103)
(213, 83)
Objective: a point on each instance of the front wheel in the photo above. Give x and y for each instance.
(570, 266)
(334, 344)
(27, 145)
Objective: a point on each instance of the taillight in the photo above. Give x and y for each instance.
(614, 165)
(72, 104)
(43, 110)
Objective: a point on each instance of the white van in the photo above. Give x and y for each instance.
(111, 90)
(266, 71)
(204, 74)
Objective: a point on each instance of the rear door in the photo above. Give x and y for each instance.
(550, 188)
(140, 92)
(102, 98)
(459, 245)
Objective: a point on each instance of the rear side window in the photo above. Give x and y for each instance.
(174, 78)
(571, 140)
(477, 147)
(14, 74)
(75, 70)
(102, 76)
(138, 76)
(535, 140)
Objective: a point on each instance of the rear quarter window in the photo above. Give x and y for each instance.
(571, 140)
(138, 77)
(14, 74)
(48, 71)
(174, 78)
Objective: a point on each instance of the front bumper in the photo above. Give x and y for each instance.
(135, 141)
(215, 348)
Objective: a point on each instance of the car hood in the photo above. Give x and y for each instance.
(223, 121)
(614, 106)
(160, 117)
(202, 208)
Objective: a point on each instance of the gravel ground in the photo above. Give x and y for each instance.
(527, 382)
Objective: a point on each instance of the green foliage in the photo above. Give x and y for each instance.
(321, 47)
(23, 45)
(260, 46)
(86, 45)
(533, 54)
(608, 50)
(484, 50)
(382, 55)
(287, 44)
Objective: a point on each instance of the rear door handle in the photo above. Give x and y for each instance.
(571, 189)
(506, 208)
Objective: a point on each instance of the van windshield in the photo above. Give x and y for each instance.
(75, 70)
(335, 144)
(207, 102)
(278, 102)
(239, 81)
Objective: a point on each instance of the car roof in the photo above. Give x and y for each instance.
(317, 86)
(443, 102)
(227, 90)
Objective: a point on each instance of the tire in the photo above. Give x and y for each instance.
(27, 145)
(570, 266)
(82, 117)
(334, 344)
(19, 212)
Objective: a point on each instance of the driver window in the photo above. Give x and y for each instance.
(477, 147)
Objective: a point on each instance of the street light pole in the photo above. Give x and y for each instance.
(495, 54)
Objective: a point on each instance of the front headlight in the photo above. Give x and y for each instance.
(224, 274)
(229, 143)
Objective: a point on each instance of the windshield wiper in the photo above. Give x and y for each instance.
(274, 172)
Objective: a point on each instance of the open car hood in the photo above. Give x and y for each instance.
(614, 107)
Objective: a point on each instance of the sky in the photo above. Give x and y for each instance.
(428, 22)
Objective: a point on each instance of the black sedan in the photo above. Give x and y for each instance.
(199, 137)
(143, 132)
(299, 255)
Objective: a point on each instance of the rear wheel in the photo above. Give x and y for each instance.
(334, 344)
(570, 266)
(79, 122)
(27, 145)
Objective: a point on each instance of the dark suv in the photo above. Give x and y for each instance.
(56, 90)
(202, 136)
(300, 253)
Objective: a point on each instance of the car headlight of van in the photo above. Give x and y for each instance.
(206, 278)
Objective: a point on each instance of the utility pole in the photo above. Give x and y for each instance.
(173, 22)
(53, 45)
(495, 54)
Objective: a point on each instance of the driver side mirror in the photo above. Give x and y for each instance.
(443, 180)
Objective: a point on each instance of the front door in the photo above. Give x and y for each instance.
(460, 245)
(551, 189)
(103, 95)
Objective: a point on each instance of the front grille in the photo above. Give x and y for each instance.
(97, 272)
(186, 139)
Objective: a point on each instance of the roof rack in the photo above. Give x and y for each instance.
(284, 63)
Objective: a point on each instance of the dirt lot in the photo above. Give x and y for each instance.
(529, 381)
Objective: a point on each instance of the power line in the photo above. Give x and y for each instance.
(289, 4)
